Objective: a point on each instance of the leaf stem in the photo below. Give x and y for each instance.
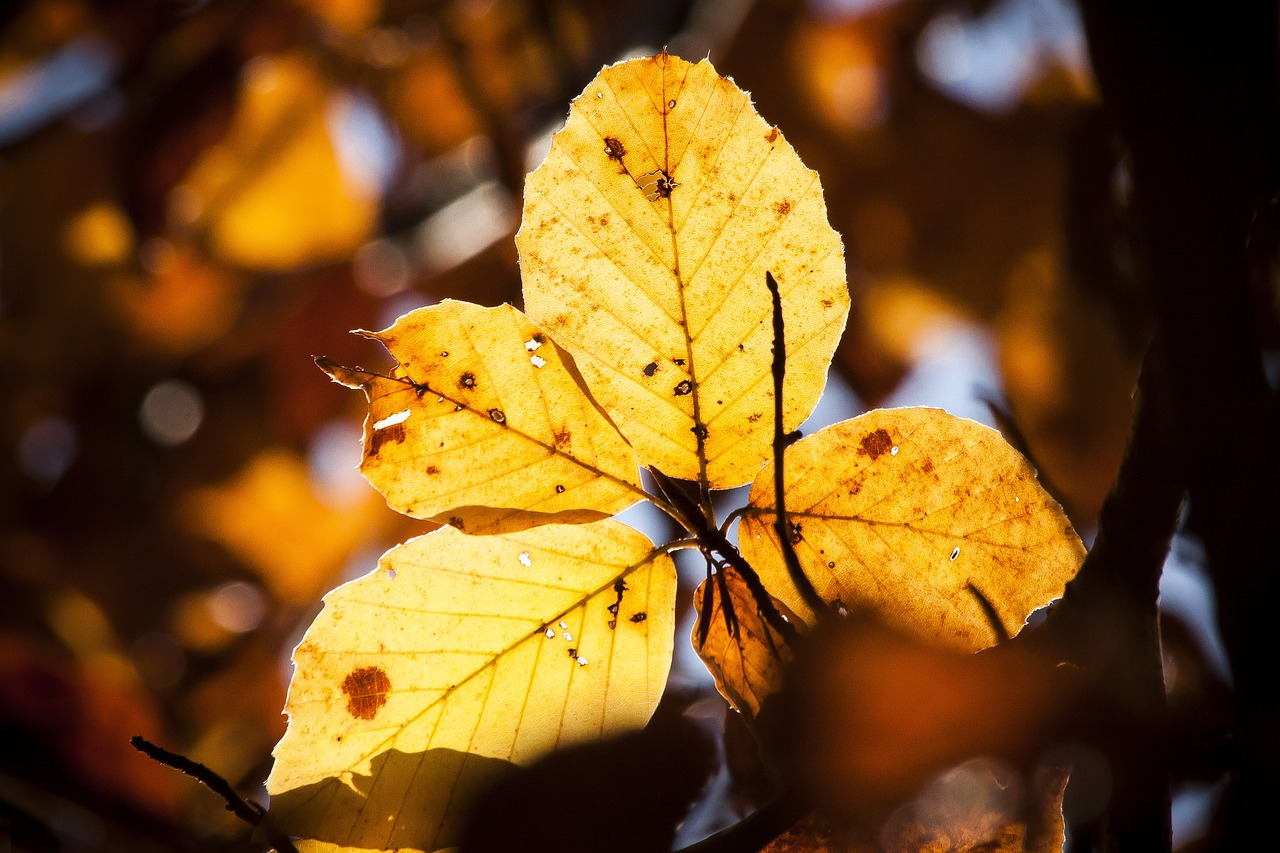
(782, 440)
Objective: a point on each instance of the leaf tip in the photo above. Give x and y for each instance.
(348, 376)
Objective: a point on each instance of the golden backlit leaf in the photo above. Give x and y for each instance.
(273, 195)
(909, 511)
(457, 656)
(644, 245)
(484, 424)
(748, 668)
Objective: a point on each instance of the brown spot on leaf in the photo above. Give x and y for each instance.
(562, 438)
(467, 380)
(926, 466)
(683, 389)
(431, 469)
(366, 690)
(651, 368)
(771, 136)
(639, 617)
(497, 416)
(783, 208)
(395, 433)
(876, 444)
(456, 521)
(614, 149)
(753, 418)
(559, 489)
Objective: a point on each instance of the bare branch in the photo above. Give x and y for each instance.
(782, 440)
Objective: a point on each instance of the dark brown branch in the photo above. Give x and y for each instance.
(249, 812)
(1107, 622)
(1194, 99)
(715, 540)
(781, 441)
(989, 611)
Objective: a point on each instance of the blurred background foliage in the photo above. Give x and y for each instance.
(196, 197)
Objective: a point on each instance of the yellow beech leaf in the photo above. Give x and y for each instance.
(920, 515)
(748, 667)
(455, 658)
(484, 424)
(644, 245)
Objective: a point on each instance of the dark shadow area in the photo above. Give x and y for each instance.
(624, 795)
(404, 802)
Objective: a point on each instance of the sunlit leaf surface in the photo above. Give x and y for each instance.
(920, 515)
(645, 241)
(485, 425)
(460, 655)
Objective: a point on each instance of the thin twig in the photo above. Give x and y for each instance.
(781, 441)
(248, 811)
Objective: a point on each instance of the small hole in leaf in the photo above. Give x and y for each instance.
(582, 661)
(559, 489)
(524, 559)
(683, 389)
(894, 451)
(467, 380)
(537, 360)
(497, 416)
(562, 624)
(568, 637)
(458, 408)
(639, 617)
(550, 633)
(533, 343)
(955, 553)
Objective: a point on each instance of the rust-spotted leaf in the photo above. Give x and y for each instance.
(459, 656)
(923, 516)
(646, 237)
(484, 424)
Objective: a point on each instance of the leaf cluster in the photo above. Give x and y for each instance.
(685, 295)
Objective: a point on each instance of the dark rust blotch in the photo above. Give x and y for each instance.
(876, 444)
(366, 690)
(395, 433)
(614, 149)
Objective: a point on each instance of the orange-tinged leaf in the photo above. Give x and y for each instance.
(748, 667)
(920, 515)
(644, 245)
(459, 655)
(485, 425)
